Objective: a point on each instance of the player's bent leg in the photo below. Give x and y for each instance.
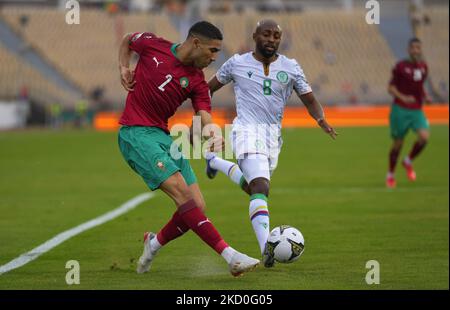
(419, 145)
(145, 150)
(229, 168)
(393, 158)
(423, 136)
(193, 217)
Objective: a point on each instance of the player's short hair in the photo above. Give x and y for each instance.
(205, 29)
(414, 40)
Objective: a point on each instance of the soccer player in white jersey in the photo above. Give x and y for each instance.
(263, 82)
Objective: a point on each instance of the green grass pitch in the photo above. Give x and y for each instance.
(333, 191)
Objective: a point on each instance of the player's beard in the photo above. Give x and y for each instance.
(265, 52)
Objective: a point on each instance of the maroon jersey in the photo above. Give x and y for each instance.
(163, 83)
(408, 77)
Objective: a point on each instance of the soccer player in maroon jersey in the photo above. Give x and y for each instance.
(165, 76)
(407, 88)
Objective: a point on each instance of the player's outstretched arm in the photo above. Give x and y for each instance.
(316, 112)
(126, 75)
(214, 85)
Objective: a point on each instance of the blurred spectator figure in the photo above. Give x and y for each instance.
(221, 7)
(22, 106)
(112, 8)
(272, 6)
(23, 93)
(347, 89)
(364, 87)
(443, 90)
(23, 19)
(175, 7)
(55, 115)
(80, 113)
(97, 93)
(414, 18)
(317, 43)
(417, 17)
(353, 99)
(181, 15)
(141, 5)
(239, 8)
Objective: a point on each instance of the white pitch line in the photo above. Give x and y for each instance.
(60, 238)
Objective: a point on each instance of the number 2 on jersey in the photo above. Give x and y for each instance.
(266, 87)
(168, 79)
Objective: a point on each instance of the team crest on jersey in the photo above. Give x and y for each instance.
(160, 165)
(259, 145)
(282, 77)
(184, 82)
(250, 73)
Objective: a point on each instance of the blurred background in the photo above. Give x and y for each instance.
(58, 75)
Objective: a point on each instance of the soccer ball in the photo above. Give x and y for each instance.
(286, 243)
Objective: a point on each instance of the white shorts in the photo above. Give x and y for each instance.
(257, 149)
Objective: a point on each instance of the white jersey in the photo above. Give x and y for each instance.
(261, 99)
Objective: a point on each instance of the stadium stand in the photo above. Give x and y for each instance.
(346, 60)
(85, 53)
(435, 44)
(20, 79)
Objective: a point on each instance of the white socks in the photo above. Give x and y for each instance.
(228, 253)
(259, 215)
(154, 245)
(227, 167)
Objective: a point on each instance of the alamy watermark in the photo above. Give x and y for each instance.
(73, 275)
(373, 275)
(73, 13)
(237, 139)
(373, 15)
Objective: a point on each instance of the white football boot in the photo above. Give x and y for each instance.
(145, 261)
(241, 263)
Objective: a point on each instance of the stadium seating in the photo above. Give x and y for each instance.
(85, 53)
(16, 75)
(344, 58)
(435, 45)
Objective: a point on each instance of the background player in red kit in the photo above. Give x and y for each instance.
(407, 88)
(165, 76)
